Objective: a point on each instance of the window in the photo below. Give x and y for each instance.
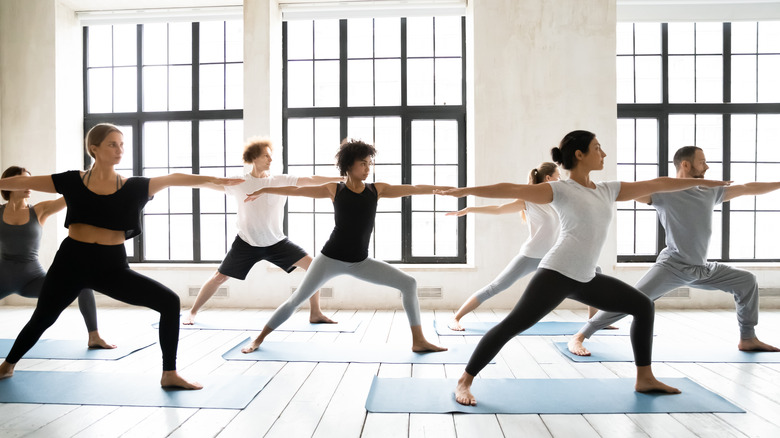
(397, 83)
(712, 85)
(176, 92)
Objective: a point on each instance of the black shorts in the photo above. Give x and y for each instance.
(242, 256)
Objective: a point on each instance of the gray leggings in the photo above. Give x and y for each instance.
(519, 267)
(323, 268)
(667, 275)
(26, 279)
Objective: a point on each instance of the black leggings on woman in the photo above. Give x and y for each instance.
(547, 289)
(104, 268)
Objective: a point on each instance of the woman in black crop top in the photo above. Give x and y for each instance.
(346, 251)
(21, 272)
(104, 209)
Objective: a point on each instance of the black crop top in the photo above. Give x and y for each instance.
(354, 216)
(120, 211)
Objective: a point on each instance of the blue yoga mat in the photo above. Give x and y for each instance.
(84, 388)
(543, 328)
(665, 352)
(232, 322)
(361, 353)
(540, 396)
(74, 349)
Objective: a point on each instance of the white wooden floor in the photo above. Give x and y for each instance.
(327, 399)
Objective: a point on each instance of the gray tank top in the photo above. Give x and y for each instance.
(20, 243)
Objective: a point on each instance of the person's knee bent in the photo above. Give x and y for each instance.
(218, 278)
(408, 284)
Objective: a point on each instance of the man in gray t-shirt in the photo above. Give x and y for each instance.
(687, 219)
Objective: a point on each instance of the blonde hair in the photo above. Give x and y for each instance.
(538, 175)
(255, 147)
(97, 134)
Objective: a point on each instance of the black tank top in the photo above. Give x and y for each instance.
(20, 243)
(354, 217)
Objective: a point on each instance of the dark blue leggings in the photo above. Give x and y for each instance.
(104, 268)
(547, 289)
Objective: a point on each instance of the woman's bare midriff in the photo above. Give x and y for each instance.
(92, 234)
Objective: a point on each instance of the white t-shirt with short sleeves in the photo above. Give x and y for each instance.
(543, 227)
(260, 221)
(585, 216)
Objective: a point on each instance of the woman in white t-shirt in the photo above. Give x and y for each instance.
(568, 270)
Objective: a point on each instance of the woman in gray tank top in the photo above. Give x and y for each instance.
(21, 227)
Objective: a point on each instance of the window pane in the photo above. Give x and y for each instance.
(681, 79)
(741, 174)
(326, 83)
(448, 82)
(180, 43)
(181, 198)
(234, 41)
(180, 145)
(300, 141)
(681, 38)
(234, 86)
(212, 87)
(743, 137)
(743, 78)
(422, 142)
(647, 232)
(423, 233)
(388, 139)
(647, 140)
(419, 30)
(155, 144)
(682, 131)
(212, 41)
(155, 88)
(154, 52)
(125, 47)
(767, 135)
(326, 34)
(741, 235)
(446, 236)
(156, 232)
(625, 39)
(300, 79)
(648, 79)
(360, 38)
(301, 231)
(446, 141)
(125, 89)
(625, 79)
(388, 82)
(212, 143)
(181, 237)
(420, 81)
(744, 37)
(648, 38)
(448, 36)
(625, 232)
(99, 52)
(300, 40)
(709, 38)
(767, 172)
(387, 37)
(766, 225)
(625, 140)
(709, 79)
(768, 84)
(387, 235)
(180, 88)
(360, 83)
(99, 90)
(769, 37)
(212, 237)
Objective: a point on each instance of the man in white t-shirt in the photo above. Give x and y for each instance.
(260, 235)
(687, 219)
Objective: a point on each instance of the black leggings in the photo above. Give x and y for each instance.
(104, 268)
(547, 290)
(26, 279)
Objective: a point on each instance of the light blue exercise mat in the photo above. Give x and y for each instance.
(75, 349)
(540, 396)
(542, 328)
(244, 323)
(84, 388)
(341, 353)
(666, 352)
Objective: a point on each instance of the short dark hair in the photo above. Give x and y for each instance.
(254, 148)
(685, 153)
(572, 142)
(351, 150)
(11, 171)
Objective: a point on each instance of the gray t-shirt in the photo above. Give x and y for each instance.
(585, 216)
(687, 218)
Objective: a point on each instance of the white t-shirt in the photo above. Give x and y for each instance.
(260, 221)
(543, 226)
(585, 216)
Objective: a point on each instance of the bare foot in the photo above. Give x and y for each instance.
(173, 379)
(96, 342)
(653, 385)
(6, 370)
(188, 318)
(455, 325)
(576, 347)
(423, 345)
(753, 344)
(320, 319)
(463, 393)
(252, 346)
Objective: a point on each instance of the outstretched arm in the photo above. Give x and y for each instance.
(536, 193)
(509, 207)
(384, 190)
(47, 208)
(185, 180)
(753, 188)
(40, 183)
(323, 191)
(639, 189)
(316, 180)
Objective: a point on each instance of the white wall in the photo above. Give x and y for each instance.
(538, 69)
